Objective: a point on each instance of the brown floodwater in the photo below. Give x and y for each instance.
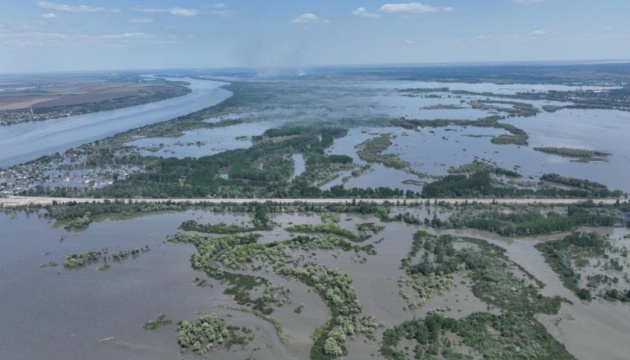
(54, 313)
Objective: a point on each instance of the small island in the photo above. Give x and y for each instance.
(583, 155)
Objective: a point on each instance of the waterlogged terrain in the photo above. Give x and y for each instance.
(297, 280)
(284, 283)
(433, 128)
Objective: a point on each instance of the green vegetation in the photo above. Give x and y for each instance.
(334, 287)
(208, 333)
(157, 323)
(532, 222)
(514, 334)
(517, 136)
(81, 259)
(480, 184)
(79, 223)
(330, 225)
(371, 150)
(270, 319)
(125, 254)
(261, 222)
(78, 216)
(239, 248)
(480, 166)
(594, 189)
(261, 170)
(492, 273)
(575, 252)
(476, 185)
(507, 336)
(582, 154)
(220, 228)
(370, 227)
(516, 109)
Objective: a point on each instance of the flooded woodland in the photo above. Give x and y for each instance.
(356, 279)
(85, 311)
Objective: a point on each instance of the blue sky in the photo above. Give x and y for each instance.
(142, 34)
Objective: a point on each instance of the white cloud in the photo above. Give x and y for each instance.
(528, 1)
(127, 35)
(538, 32)
(183, 12)
(413, 7)
(410, 42)
(177, 11)
(79, 9)
(216, 9)
(309, 19)
(141, 21)
(364, 13)
(224, 13)
(49, 16)
(448, 9)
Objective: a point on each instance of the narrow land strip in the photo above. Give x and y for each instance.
(15, 201)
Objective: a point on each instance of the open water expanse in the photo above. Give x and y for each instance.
(28, 141)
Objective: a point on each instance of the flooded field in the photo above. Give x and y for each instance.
(429, 150)
(86, 312)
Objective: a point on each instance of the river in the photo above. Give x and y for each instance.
(28, 141)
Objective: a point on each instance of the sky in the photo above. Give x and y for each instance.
(85, 35)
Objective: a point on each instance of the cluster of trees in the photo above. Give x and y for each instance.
(260, 222)
(207, 333)
(125, 254)
(338, 191)
(562, 255)
(263, 169)
(330, 225)
(477, 166)
(528, 223)
(334, 287)
(517, 136)
(488, 266)
(493, 281)
(220, 228)
(479, 184)
(572, 152)
(77, 216)
(371, 150)
(81, 259)
(521, 336)
(476, 185)
(594, 189)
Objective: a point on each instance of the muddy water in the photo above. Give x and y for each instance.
(69, 312)
(63, 314)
